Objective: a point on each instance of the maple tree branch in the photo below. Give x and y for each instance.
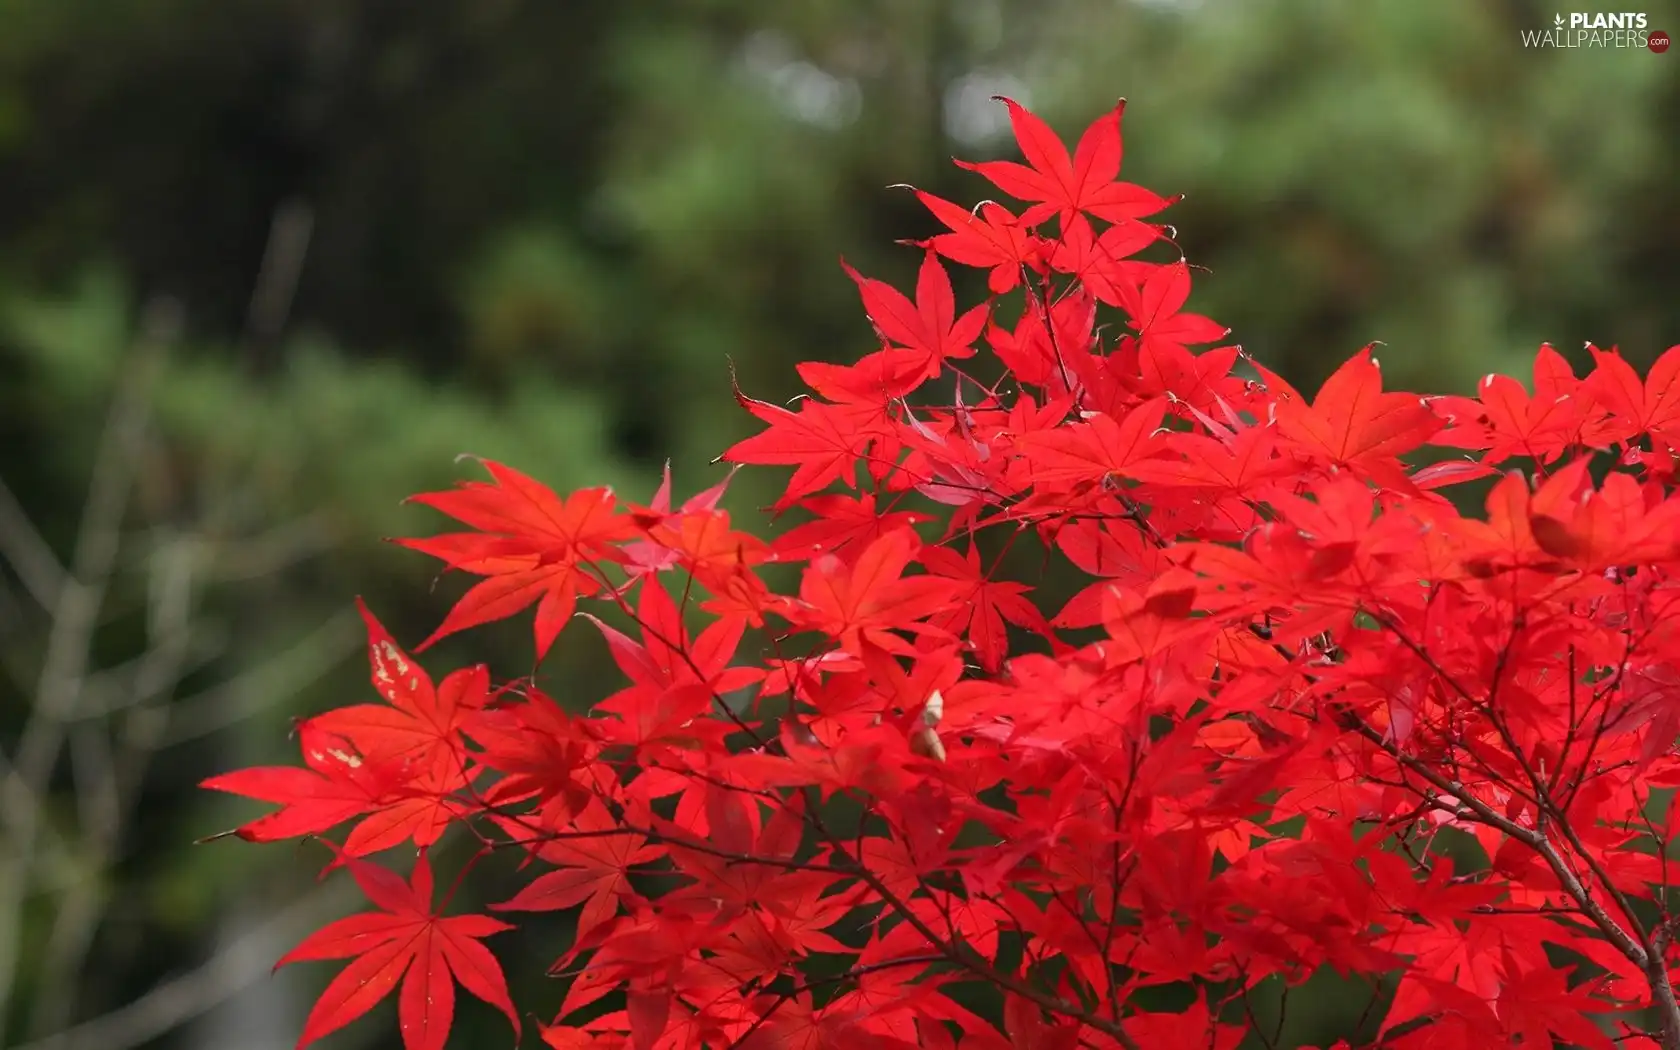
(1347, 718)
(1116, 881)
(850, 866)
(1624, 942)
(970, 960)
(1572, 726)
(1599, 872)
(850, 974)
(1481, 705)
(544, 835)
(1662, 989)
(1041, 303)
(855, 867)
(1614, 684)
(1547, 806)
(1269, 1041)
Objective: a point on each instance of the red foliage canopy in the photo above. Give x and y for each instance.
(1303, 713)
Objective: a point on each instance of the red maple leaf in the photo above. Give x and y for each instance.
(1100, 261)
(1353, 424)
(1113, 551)
(990, 237)
(643, 557)
(843, 525)
(674, 679)
(1143, 625)
(1596, 529)
(1234, 467)
(870, 760)
(532, 546)
(1506, 421)
(982, 605)
(862, 603)
(1535, 1004)
(539, 749)
(419, 725)
(1154, 304)
(1064, 186)
(930, 326)
(337, 785)
(398, 764)
(404, 941)
(822, 442)
(1086, 453)
(874, 381)
(1038, 349)
(594, 859)
(1193, 1027)
(1651, 407)
(1505, 543)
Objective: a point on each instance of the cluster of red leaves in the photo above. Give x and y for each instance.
(1304, 714)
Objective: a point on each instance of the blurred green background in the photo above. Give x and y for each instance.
(268, 266)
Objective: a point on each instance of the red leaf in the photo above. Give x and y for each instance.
(594, 869)
(1091, 452)
(1353, 424)
(862, 603)
(406, 937)
(400, 801)
(1064, 186)
(824, 442)
(843, 524)
(1651, 407)
(533, 547)
(422, 726)
(930, 326)
(993, 238)
(982, 604)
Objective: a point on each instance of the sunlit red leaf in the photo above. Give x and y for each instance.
(403, 941)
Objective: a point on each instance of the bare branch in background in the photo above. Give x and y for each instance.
(282, 676)
(75, 611)
(276, 286)
(273, 551)
(181, 999)
(106, 725)
(108, 774)
(27, 553)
